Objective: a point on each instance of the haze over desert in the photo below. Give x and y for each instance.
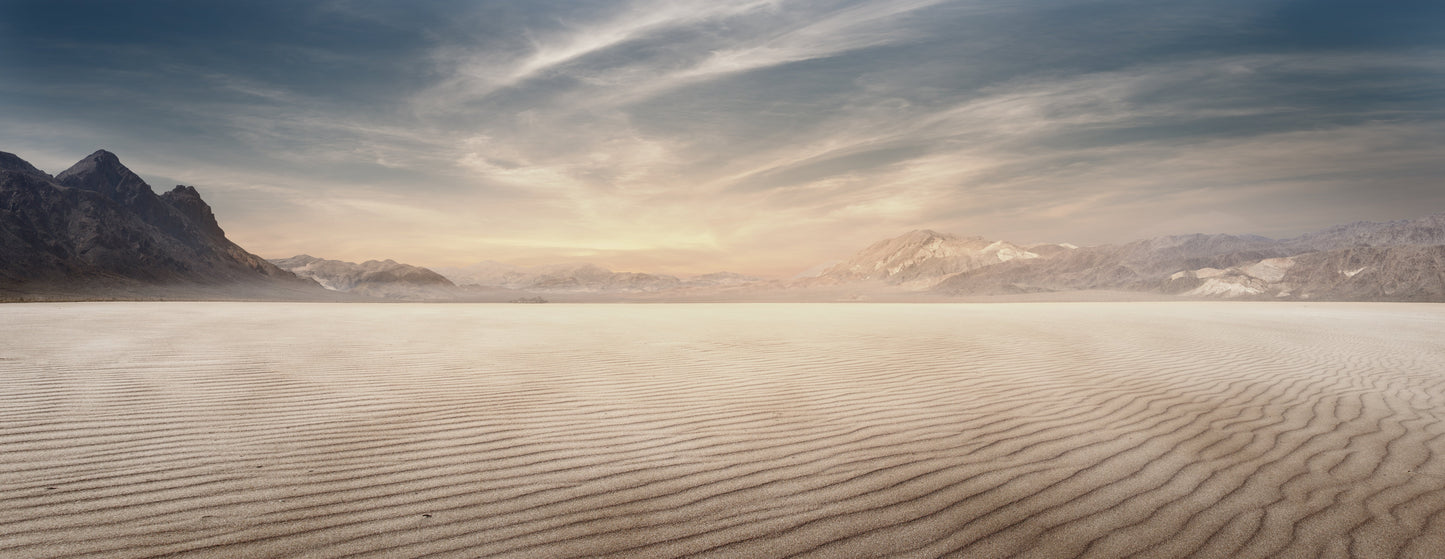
(1160, 429)
(745, 279)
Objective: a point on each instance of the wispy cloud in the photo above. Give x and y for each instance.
(760, 136)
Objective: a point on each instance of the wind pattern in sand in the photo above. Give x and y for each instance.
(770, 430)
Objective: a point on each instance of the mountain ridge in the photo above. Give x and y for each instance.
(98, 229)
(921, 257)
(386, 279)
(581, 278)
(1219, 265)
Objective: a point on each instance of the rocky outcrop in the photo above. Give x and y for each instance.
(97, 225)
(188, 201)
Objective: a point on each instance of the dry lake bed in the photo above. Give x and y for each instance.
(728, 430)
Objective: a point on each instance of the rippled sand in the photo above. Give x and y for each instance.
(987, 430)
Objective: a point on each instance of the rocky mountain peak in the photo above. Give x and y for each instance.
(101, 161)
(189, 202)
(103, 156)
(99, 226)
(103, 172)
(13, 163)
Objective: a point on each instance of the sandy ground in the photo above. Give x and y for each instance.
(742, 430)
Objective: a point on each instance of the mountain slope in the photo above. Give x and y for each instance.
(585, 278)
(1423, 231)
(1362, 273)
(375, 278)
(98, 225)
(921, 258)
(1395, 261)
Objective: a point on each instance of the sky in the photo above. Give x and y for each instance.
(755, 136)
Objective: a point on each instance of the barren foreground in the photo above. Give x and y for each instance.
(989, 430)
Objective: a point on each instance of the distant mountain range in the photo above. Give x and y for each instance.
(1392, 261)
(386, 279)
(96, 230)
(389, 279)
(920, 259)
(1364, 261)
(584, 278)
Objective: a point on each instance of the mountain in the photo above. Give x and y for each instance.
(1396, 261)
(97, 229)
(1405, 272)
(488, 273)
(376, 278)
(721, 279)
(1424, 231)
(584, 278)
(1137, 266)
(1363, 273)
(920, 259)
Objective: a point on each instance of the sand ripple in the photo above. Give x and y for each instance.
(1002, 430)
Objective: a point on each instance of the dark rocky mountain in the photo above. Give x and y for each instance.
(97, 229)
(9, 162)
(376, 278)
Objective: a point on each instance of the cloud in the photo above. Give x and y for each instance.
(760, 136)
(648, 48)
(862, 26)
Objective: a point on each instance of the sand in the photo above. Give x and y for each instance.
(741, 430)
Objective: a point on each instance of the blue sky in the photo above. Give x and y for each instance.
(754, 136)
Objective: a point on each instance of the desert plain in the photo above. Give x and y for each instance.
(1141, 429)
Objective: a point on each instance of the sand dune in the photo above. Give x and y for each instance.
(768, 430)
